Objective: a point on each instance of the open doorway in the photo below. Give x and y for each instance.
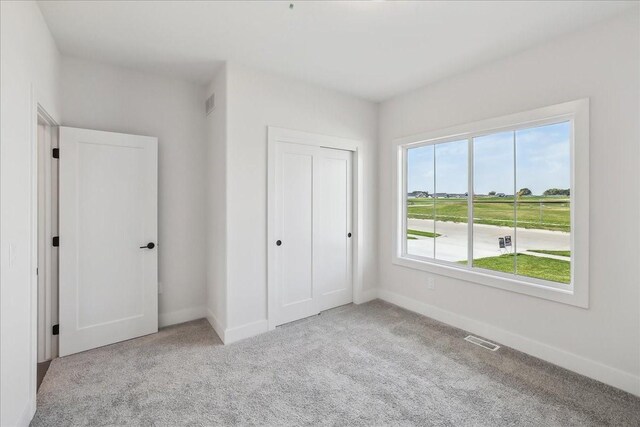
(47, 267)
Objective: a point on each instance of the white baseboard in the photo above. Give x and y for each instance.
(231, 335)
(181, 316)
(238, 333)
(217, 326)
(573, 362)
(27, 415)
(366, 296)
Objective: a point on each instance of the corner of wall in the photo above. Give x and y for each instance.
(372, 292)
(217, 326)
(216, 195)
(181, 316)
(367, 295)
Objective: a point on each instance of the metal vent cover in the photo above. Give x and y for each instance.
(210, 103)
(482, 343)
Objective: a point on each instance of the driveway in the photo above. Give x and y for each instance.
(452, 244)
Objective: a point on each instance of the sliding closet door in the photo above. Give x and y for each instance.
(311, 262)
(294, 205)
(333, 258)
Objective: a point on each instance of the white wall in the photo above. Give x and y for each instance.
(103, 97)
(601, 63)
(257, 100)
(29, 61)
(216, 204)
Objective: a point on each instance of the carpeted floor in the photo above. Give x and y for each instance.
(372, 364)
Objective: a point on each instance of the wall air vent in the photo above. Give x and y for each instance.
(210, 103)
(482, 343)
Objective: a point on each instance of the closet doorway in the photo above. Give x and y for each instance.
(311, 225)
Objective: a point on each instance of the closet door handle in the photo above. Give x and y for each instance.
(349, 235)
(149, 245)
(278, 242)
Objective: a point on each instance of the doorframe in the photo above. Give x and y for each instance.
(37, 110)
(47, 309)
(277, 135)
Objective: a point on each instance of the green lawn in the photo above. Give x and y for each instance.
(528, 265)
(421, 233)
(549, 252)
(548, 213)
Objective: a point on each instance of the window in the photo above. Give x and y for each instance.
(436, 205)
(496, 202)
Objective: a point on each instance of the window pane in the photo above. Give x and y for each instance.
(451, 190)
(493, 202)
(543, 214)
(420, 207)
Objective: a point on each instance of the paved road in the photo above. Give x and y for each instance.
(452, 244)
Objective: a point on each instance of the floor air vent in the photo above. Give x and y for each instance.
(482, 343)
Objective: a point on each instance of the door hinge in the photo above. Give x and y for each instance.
(55, 330)
(56, 241)
(56, 153)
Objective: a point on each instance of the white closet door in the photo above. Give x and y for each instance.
(312, 210)
(108, 230)
(333, 260)
(294, 204)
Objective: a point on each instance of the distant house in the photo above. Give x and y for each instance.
(448, 195)
(419, 194)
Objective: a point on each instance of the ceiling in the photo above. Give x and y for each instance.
(371, 49)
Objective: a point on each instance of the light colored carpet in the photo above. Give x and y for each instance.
(373, 364)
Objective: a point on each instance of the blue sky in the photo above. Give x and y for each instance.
(542, 162)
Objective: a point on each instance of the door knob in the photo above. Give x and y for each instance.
(279, 242)
(349, 235)
(149, 245)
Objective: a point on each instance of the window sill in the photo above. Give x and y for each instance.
(513, 284)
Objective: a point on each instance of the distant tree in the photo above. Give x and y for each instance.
(524, 192)
(492, 193)
(557, 192)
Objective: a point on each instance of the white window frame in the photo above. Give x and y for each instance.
(576, 293)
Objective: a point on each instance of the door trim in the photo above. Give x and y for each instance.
(276, 135)
(38, 109)
(47, 268)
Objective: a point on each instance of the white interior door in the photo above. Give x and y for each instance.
(312, 224)
(333, 260)
(108, 214)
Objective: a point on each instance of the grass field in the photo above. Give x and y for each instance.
(547, 213)
(528, 265)
(421, 233)
(549, 252)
